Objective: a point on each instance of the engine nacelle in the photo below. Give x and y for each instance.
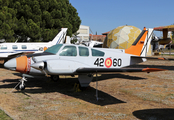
(38, 65)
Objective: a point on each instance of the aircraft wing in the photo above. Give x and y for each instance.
(152, 58)
(12, 55)
(166, 39)
(161, 28)
(103, 70)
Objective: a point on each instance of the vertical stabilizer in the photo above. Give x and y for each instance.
(141, 44)
(68, 40)
(60, 37)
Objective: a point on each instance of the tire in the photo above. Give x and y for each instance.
(55, 78)
(22, 87)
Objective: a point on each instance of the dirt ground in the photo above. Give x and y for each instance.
(125, 96)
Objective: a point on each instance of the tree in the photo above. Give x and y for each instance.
(8, 21)
(36, 19)
(74, 40)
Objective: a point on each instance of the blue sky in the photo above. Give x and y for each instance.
(105, 15)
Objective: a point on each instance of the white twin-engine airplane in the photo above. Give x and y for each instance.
(69, 59)
(10, 50)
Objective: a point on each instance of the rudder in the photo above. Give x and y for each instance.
(60, 37)
(141, 44)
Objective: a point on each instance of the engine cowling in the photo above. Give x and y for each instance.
(39, 65)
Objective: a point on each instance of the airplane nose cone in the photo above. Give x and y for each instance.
(11, 64)
(19, 64)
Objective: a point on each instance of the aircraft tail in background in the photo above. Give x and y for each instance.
(60, 37)
(141, 44)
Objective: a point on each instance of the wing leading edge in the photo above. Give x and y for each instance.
(104, 70)
(153, 58)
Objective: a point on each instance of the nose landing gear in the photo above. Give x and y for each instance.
(21, 84)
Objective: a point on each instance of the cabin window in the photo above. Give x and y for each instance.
(54, 49)
(68, 51)
(97, 53)
(3, 47)
(24, 47)
(14, 47)
(83, 51)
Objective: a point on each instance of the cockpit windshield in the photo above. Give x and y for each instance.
(54, 49)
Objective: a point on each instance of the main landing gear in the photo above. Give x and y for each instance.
(55, 78)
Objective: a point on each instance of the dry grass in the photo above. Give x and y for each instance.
(122, 96)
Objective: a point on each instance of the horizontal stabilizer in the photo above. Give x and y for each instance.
(104, 70)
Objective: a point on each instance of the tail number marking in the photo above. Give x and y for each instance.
(108, 62)
(99, 62)
(117, 62)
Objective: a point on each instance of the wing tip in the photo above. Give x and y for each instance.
(152, 69)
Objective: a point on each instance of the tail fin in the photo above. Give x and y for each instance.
(60, 37)
(141, 44)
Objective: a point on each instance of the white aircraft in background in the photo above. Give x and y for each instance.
(92, 44)
(10, 50)
(69, 59)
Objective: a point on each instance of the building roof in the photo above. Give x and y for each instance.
(97, 37)
(105, 33)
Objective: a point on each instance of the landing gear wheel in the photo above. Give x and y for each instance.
(22, 87)
(21, 84)
(55, 78)
(82, 88)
